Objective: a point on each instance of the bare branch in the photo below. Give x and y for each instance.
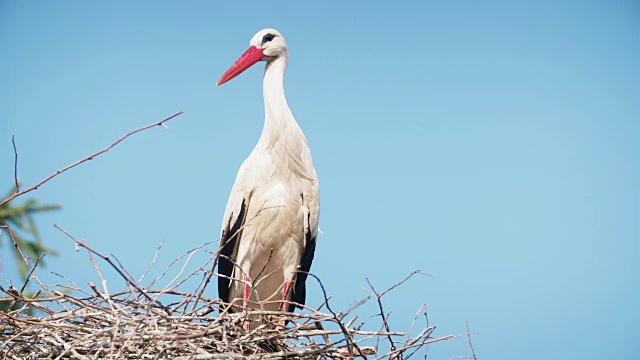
(90, 157)
(350, 343)
(470, 344)
(382, 315)
(15, 164)
(128, 279)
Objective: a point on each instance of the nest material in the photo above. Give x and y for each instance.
(144, 323)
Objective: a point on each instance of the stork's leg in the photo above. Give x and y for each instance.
(285, 296)
(245, 302)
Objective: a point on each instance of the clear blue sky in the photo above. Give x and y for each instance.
(494, 145)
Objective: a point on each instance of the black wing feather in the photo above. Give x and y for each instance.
(230, 235)
(300, 290)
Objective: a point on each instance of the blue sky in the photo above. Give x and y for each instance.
(492, 144)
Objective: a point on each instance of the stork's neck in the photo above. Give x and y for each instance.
(279, 122)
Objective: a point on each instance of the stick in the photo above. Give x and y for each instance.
(90, 157)
(15, 164)
(470, 345)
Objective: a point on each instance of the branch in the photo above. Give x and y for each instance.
(471, 345)
(350, 343)
(91, 157)
(15, 164)
(126, 278)
(384, 318)
(379, 299)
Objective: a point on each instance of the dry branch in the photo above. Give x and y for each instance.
(15, 164)
(90, 157)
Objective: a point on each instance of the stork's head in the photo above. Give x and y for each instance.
(267, 45)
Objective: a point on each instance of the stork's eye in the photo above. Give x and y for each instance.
(267, 38)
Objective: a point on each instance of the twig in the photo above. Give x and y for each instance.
(25, 259)
(350, 342)
(470, 344)
(382, 315)
(416, 272)
(155, 258)
(15, 164)
(26, 281)
(108, 260)
(426, 320)
(90, 157)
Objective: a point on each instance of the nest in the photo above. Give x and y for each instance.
(70, 322)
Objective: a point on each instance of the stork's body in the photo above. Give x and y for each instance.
(271, 221)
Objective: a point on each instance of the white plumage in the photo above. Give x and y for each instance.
(270, 224)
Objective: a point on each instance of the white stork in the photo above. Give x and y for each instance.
(271, 222)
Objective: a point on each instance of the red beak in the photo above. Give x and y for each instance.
(250, 57)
